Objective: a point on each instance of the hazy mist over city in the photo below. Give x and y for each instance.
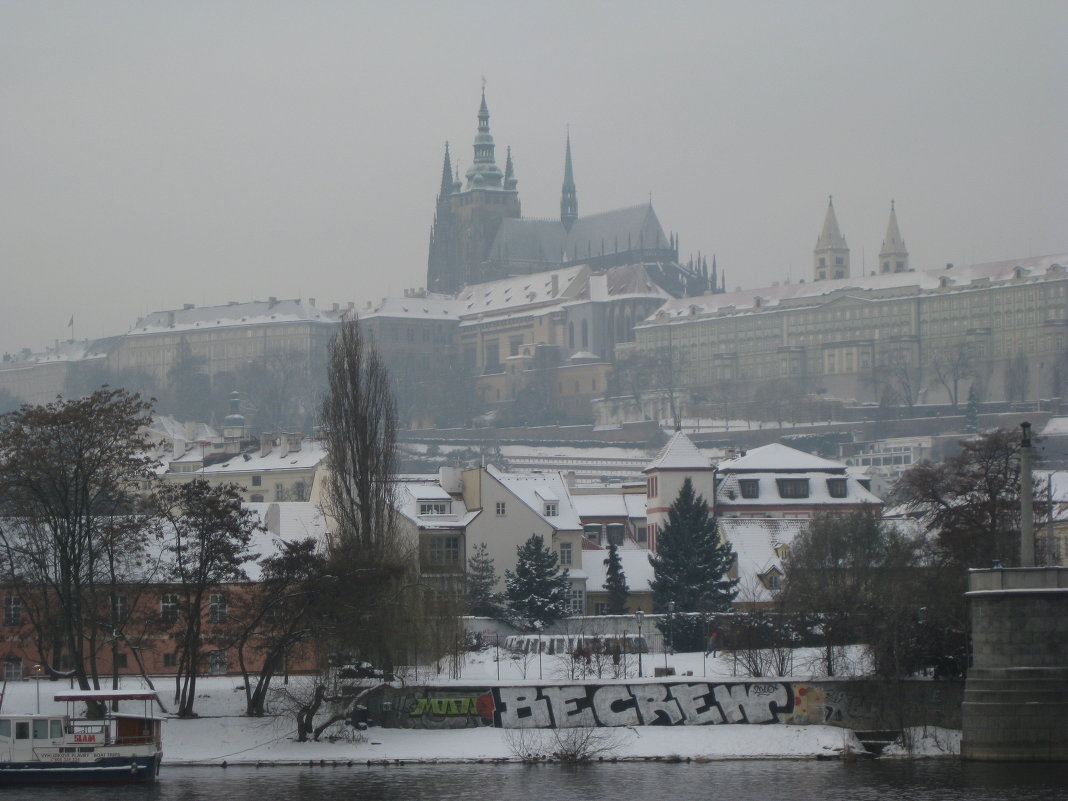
(156, 154)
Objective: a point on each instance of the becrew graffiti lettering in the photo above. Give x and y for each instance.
(641, 705)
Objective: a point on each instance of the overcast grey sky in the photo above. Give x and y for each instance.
(156, 154)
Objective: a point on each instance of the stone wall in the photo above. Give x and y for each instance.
(854, 704)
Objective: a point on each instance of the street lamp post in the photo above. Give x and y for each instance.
(37, 678)
(639, 616)
(671, 632)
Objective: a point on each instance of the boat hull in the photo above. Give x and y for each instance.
(140, 768)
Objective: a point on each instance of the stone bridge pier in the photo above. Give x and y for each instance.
(1016, 694)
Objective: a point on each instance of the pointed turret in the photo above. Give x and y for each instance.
(831, 255)
(446, 176)
(893, 258)
(568, 195)
(484, 173)
(509, 172)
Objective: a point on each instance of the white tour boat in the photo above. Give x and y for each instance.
(63, 748)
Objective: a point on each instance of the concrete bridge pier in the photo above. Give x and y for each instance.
(1016, 694)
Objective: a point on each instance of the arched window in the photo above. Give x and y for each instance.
(571, 335)
(585, 335)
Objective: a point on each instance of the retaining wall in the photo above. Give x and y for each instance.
(854, 704)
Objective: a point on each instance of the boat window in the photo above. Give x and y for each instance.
(40, 729)
(5, 728)
(22, 730)
(57, 729)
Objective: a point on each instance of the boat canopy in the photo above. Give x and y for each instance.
(107, 695)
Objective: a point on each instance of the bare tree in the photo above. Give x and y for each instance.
(68, 469)
(952, 365)
(210, 533)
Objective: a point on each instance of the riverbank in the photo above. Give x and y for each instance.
(222, 735)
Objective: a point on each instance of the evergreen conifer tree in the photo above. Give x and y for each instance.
(971, 412)
(690, 568)
(481, 579)
(537, 593)
(616, 582)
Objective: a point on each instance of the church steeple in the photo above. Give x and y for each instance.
(831, 255)
(484, 172)
(568, 195)
(446, 176)
(509, 172)
(893, 258)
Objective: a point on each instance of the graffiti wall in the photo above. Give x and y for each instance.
(854, 704)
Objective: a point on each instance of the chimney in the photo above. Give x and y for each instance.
(266, 442)
(337, 307)
(188, 306)
(555, 286)
(451, 479)
(283, 444)
(179, 447)
(294, 442)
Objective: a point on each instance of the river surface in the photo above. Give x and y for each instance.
(932, 780)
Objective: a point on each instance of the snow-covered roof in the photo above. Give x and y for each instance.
(679, 453)
(291, 520)
(1055, 427)
(233, 314)
(311, 455)
(635, 564)
(610, 504)
(430, 307)
(779, 458)
(754, 541)
(729, 493)
(883, 285)
(531, 489)
(524, 290)
(409, 494)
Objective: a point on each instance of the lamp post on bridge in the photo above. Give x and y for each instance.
(639, 616)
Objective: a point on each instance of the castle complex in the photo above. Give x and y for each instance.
(479, 234)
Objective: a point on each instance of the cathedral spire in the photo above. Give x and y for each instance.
(831, 255)
(509, 172)
(894, 257)
(484, 172)
(568, 196)
(446, 175)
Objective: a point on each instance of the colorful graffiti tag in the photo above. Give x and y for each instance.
(697, 704)
(866, 704)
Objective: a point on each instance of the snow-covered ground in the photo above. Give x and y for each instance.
(223, 734)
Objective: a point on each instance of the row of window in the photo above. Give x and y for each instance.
(14, 668)
(218, 608)
(792, 487)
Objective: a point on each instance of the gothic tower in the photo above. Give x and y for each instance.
(830, 259)
(468, 215)
(441, 271)
(568, 196)
(893, 258)
(486, 199)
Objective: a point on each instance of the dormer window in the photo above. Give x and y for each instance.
(552, 508)
(792, 487)
(750, 487)
(836, 487)
(435, 508)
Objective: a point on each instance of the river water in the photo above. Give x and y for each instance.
(932, 780)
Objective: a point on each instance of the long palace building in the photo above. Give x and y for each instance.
(994, 332)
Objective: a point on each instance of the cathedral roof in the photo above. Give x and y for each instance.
(633, 228)
(548, 242)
